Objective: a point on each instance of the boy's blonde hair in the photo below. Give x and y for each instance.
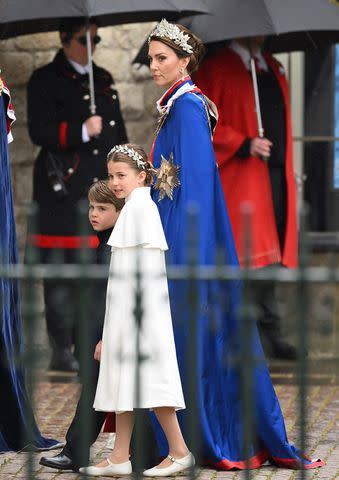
(101, 193)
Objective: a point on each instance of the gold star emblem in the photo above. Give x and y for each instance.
(167, 178)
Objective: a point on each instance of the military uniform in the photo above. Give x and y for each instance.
(58, 105)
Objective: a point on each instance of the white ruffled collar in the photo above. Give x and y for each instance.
(186, 87)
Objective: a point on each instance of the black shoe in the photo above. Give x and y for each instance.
(283, 350)
(64, 360)
(60, 462)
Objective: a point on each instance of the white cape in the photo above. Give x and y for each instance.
(139, 223)
(138, 239)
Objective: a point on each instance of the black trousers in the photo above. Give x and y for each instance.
(75, 447)
(267, 312)
(60, 306)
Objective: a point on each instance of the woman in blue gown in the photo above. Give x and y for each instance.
(187, 175)
(17, 422)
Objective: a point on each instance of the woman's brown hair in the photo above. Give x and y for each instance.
(195, 42)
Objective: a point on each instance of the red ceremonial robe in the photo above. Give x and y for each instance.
(225, 80)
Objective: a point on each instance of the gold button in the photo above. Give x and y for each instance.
(86, 97)
(95, 151)
(114, 96)
(95, 179)
(112, 123)
(70, 171)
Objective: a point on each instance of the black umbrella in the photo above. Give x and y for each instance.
(290, 24)
(20, 17)
(295, 24)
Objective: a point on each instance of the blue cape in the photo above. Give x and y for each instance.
(186, 136)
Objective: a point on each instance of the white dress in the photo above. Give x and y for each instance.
(138, 238)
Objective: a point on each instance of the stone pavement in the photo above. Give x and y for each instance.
(55, 403)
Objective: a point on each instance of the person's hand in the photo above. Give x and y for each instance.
(260, 147)
(97, 351)
(94, 125)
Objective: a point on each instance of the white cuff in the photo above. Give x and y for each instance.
(85, 136)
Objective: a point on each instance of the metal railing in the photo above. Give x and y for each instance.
(85, 273)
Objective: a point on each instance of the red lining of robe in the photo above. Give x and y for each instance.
(230, 87)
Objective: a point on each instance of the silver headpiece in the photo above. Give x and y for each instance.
(166, 29)
(131, 153)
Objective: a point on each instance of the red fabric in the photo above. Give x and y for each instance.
(10, 114)
(57, 241)
(62, 134)
(254, 462)
(260, 458)
(296, 464)
(172, 88)
(109, 425)
(226, 81)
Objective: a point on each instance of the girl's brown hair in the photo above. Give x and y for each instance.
(195, 42)
(101, 193)
(125, 158)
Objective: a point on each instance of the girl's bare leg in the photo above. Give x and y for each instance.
(124, 423)
(168, 420)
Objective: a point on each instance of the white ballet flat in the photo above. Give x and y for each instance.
(178, 465)
(112, 469)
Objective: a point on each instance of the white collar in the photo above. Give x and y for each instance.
(245, 56)
(82, 69)
(164, 109)
(139, 191)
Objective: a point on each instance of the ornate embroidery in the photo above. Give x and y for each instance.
(167, 178)
(161, 121)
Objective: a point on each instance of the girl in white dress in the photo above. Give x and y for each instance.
(138, 243)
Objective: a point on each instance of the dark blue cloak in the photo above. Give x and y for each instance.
(15, 411)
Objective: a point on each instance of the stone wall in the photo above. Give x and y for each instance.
(19, 57)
